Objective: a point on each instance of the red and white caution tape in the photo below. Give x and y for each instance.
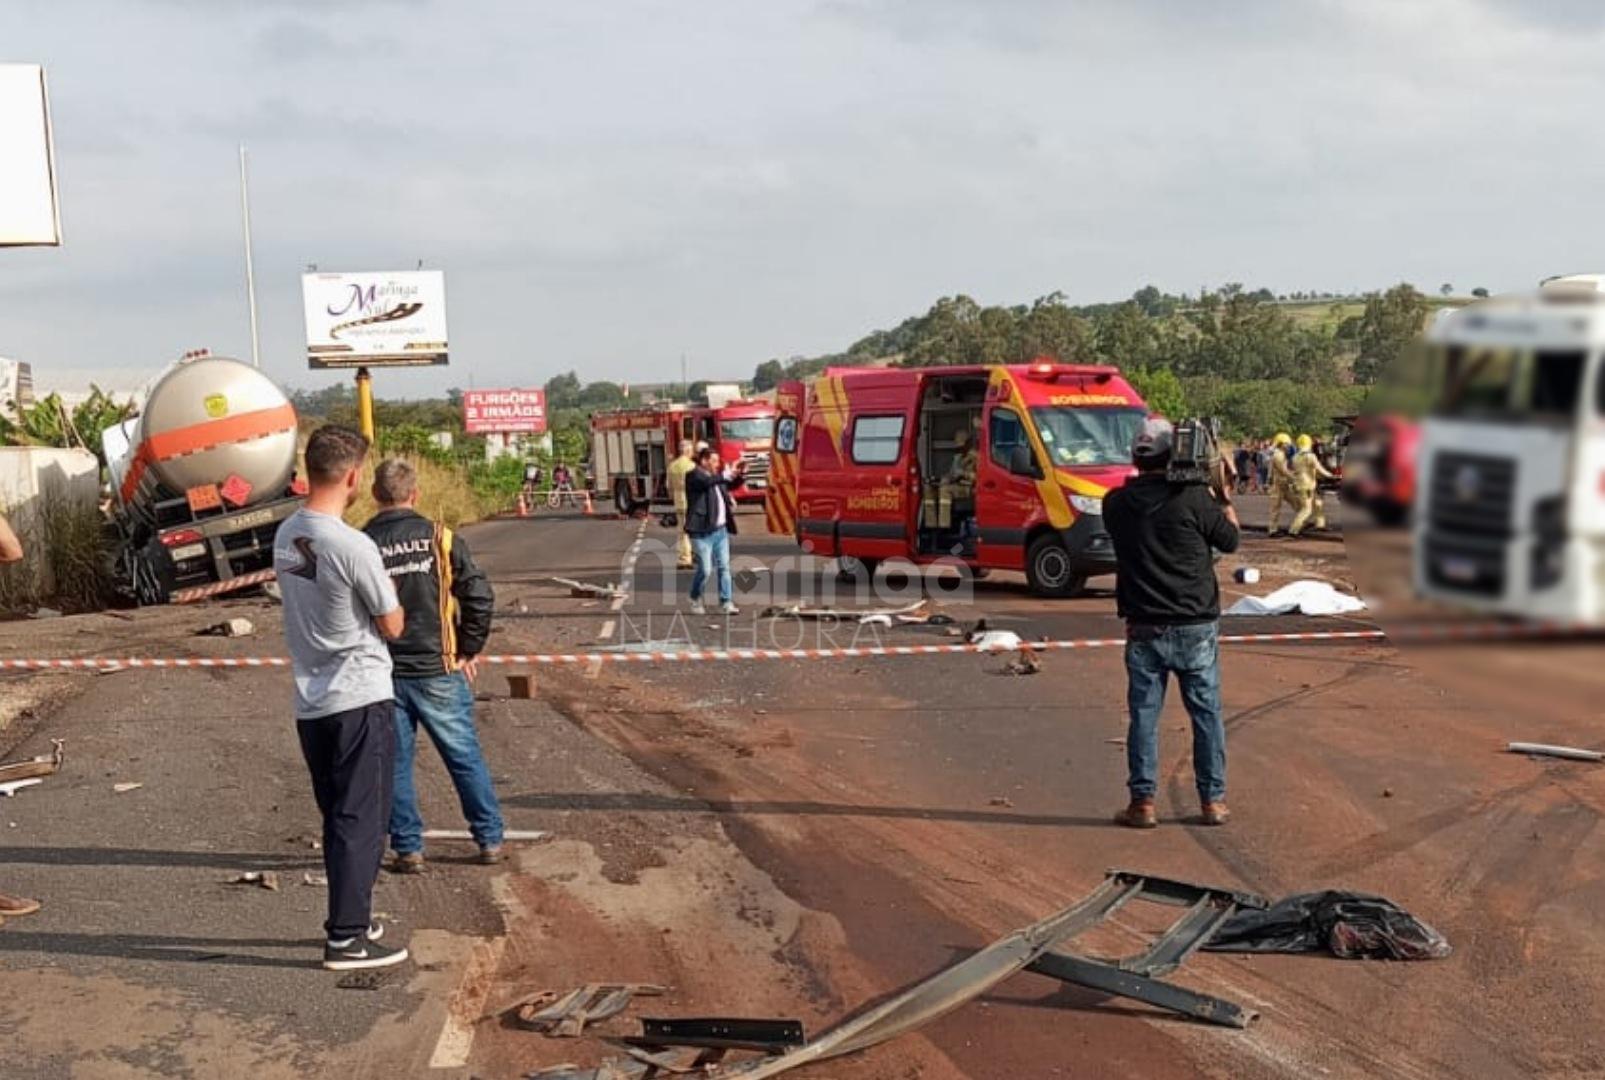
(1449, 632)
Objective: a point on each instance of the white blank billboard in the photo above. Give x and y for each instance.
(28, 208)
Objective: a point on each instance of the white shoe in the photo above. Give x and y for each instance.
(697, 608)
(729, 609)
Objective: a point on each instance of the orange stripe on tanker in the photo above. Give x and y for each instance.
(206, 435)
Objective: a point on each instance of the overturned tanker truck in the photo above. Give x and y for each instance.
(200, 480)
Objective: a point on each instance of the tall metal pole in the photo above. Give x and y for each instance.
(250, 270)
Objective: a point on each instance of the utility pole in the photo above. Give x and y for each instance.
(685, 379)
(250, 270)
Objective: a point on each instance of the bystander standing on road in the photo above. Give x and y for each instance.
(339, 609)
(448, 603)
(677, 473)
(710, 521)
(12, 907)
(1164, 536)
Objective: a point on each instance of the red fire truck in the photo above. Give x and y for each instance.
(631, 448)
(996, 467)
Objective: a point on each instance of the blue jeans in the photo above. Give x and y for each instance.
(713, 557)
(1193, 653)
(444, 705)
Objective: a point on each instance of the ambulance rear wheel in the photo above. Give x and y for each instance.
(1049, 569)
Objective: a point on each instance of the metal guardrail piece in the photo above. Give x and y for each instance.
(1036, 948)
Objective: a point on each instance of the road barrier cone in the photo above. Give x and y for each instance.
(589, 509)
(523, 506)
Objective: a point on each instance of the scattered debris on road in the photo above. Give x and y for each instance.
(230, 628)
(1246, 575)
(1349, 925)
(262, 879)
(1037, 948)
(125, 788)
(588, 589)
(11, 788)
(565, 1016)
(1570, 753)
(34, 767)
(718, 1033)
(1001, 800)
(1023, 662)
(511, 835)
(317, 881)
(911, 612)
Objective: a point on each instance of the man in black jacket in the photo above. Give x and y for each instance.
(710, 521)
(1164, 536)
(448, 603)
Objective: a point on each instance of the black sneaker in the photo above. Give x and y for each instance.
(360, 954)
(376, 930)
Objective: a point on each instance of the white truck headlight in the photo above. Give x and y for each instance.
(1087, 504)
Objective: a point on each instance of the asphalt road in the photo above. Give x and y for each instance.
(927, 804)
(798, 837)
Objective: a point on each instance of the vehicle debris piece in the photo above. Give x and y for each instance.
(1349, 925)
(463, 834)
(876, 619)
(1571, 753)
(914, 611)
(30, 768)
(262, 879)
(1024, 662)
(565, 1016)
(720, 1033)
(10, 789)
(123, 789)
(1038, 948)
(228, 628)
(315, 880)
(588, 589)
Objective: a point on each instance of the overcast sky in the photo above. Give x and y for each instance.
(608, 184)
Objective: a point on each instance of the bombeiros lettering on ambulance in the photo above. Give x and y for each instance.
(1510, 509)
(988, 467)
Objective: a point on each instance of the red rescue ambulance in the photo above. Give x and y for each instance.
(996, 467)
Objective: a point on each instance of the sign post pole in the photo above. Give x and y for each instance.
(365, 403)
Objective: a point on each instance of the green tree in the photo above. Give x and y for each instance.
(562, 391)
(1480, 293)
(1161, 389)
(1390, 322)
(768, 375)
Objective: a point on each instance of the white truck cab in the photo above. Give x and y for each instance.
(1510, 510)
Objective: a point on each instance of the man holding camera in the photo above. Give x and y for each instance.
(1165, 533)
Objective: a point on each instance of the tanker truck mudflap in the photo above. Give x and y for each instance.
(201, 480)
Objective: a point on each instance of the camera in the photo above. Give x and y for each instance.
(1195, 454)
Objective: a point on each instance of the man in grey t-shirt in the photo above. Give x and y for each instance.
(339, 609)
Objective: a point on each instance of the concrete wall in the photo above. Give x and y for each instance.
(33, 478)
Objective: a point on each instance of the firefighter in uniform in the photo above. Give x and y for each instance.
(1308, 472)
(1282, 492)
(677, 470)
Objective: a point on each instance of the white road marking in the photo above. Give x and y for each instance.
(626, 587)
(467, 1002)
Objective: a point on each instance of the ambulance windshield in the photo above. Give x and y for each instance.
(1079, 436)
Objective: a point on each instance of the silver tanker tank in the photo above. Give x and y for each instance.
(200, 480)
(205, 421)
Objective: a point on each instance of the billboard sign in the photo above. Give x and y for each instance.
(505, 412)
(375, 320)
(29, 212)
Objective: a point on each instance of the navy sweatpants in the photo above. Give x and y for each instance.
(351, 756)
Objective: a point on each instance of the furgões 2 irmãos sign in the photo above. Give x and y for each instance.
(506, 412)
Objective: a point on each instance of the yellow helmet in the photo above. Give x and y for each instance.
(1282, 439)
(1305, 442)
